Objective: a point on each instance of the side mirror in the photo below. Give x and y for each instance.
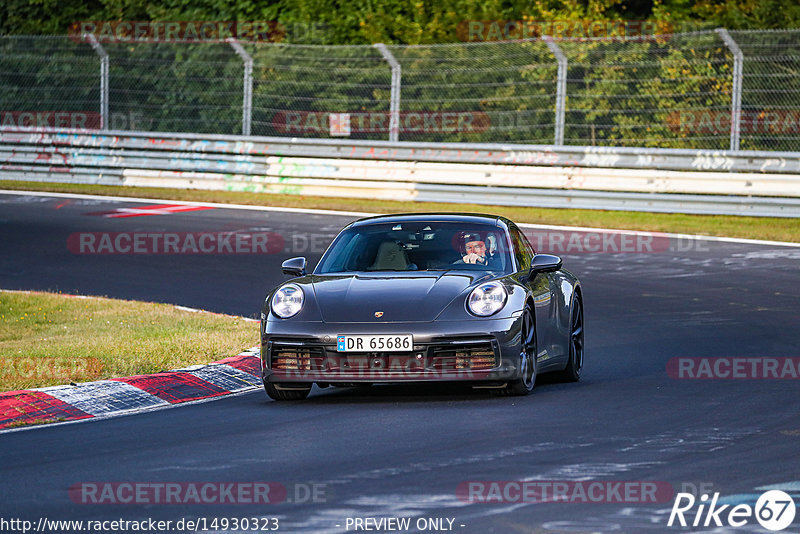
(545, 263)
(294, 266)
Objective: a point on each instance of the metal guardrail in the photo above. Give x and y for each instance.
(657, 180)
(548, 155)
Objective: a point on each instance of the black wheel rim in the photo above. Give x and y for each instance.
(576, 341)
(528, 347)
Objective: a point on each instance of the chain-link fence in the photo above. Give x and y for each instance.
(709, 90)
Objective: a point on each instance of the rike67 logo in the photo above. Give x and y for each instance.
(774, 510)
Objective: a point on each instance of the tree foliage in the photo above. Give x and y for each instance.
(395, 21)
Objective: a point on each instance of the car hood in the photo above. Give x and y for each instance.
(420, 296)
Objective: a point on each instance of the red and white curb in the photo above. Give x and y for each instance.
(118, 396)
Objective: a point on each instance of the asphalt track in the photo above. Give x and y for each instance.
(403, 451)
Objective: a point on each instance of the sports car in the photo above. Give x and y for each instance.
(423, 298)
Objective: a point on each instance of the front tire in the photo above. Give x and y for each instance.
(572, 372)
(524, 384)
(298, 392)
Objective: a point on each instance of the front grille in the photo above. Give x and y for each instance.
(475, 357)
(441, 356)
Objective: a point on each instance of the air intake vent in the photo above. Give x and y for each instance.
(296, 358)
(458, 357)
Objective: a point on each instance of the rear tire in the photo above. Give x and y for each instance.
(524, 384)
(286, 394)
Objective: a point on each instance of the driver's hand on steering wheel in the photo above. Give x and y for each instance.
(474, 258)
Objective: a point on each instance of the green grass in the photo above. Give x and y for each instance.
(49, 339)
(46, 421)
(779, 229)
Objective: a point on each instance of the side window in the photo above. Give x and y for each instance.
(523, 252)
(528, 245)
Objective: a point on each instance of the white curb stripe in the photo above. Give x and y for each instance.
(104, 397)
(226, 377)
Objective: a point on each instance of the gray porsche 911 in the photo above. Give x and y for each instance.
(423, 297)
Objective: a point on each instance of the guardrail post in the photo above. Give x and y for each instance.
(394, 100)
(561, 89)
(736, 96)
(103, 78)
(247, 98)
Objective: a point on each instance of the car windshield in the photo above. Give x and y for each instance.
(418, 246)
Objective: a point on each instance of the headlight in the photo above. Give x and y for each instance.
(487, 299)
(287, 301)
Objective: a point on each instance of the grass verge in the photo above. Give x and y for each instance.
(48, 339)
(35, 422)
(778, 229)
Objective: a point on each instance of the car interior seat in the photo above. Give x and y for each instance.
(390, 257)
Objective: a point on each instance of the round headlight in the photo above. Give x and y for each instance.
(287, 301)
(487, 299)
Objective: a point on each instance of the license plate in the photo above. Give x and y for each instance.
(382, 343)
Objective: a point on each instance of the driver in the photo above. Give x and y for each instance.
(474, 250)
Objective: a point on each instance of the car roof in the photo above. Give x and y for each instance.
(467, 218)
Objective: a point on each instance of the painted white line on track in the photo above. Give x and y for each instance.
(185, 202)
(661, 234)
(365, 214)
(198, 310)
(176, 306)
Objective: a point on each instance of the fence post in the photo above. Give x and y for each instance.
(103, 78)
(561, 88)
(736, 96)
(394, 100)
(247, 98)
